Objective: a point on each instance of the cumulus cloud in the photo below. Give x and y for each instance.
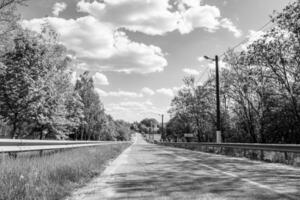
(222, 65)
(154, 17)
(228, 24)
(58, 7)
(166, 91)
(151, 17)
(100, 48)
(201, 59)
(192, 72)
(252, 36)
(148, 91)
(132, 110)
(119, 93)
(100, 92)
(200, 17)
(100, 44)
(100, 79)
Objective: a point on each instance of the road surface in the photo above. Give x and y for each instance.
(148, 171)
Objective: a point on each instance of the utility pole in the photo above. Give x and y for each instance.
(150, 131)
(162, 127)
(218, 132)
(219, 139)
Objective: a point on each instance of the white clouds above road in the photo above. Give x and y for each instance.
(166, 91)
(119, 93)
(58, 7)
(100, 44)
(100, 79)
(252, 36)
(148, 91)
(228, 24)
(149, 17)
(154, 17)
(101, 48)
(143, 93)
(132, 110)
(192, 72)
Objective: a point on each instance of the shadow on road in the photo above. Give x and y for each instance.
(170, 173)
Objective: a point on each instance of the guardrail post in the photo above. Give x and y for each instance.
(41, 153)
(12, 155)
(286, 156)
(261, 154)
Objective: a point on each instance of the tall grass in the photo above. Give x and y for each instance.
(53, 176)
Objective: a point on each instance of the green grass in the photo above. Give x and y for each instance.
(53, 176)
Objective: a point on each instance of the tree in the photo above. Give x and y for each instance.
(8, 23)
(194, 103)
(149, 122)
(93, 110)
(35, 85)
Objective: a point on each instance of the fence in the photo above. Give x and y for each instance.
(285, 148)
(20, 145)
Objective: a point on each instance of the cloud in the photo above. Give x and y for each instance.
(132, 110)
(58, 7)
(200, 17)
(166, 91)
(192, 72)
(149, 17)
(222, 65)
(157, 17)
(227, 24)
(148, 91)
(100, 48)
(201, 59)
(119, 93)
(100, 79)
(252, 36)
(100, 44)
(100, 92)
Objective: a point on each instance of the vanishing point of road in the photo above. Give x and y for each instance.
(148, 171)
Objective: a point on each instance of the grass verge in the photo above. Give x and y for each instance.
(53, 176)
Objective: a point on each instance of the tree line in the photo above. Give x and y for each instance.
(37, 96)
(259, 90)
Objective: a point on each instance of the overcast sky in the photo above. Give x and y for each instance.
(138, 51)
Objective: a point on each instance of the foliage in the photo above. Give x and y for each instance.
(37, 97)
(260, 90)
(149, 122)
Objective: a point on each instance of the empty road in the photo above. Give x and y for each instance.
(147, 171)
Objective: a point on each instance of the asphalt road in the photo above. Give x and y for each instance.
(147, 171)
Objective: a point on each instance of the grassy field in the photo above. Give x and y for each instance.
(53, 176)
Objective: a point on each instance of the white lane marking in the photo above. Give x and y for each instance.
(235, 176)
(135, 138)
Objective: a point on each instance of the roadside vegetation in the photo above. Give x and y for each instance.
(40, 94)
(53, 176)
(259, 90)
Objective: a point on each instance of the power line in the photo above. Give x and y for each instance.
(236, 46)
(200, 78)
(247, 39)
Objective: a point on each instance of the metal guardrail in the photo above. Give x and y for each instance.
(294, 148)
(20, 145)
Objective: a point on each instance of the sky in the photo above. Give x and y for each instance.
(138, 51)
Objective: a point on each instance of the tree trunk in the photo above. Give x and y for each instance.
(13, 131)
